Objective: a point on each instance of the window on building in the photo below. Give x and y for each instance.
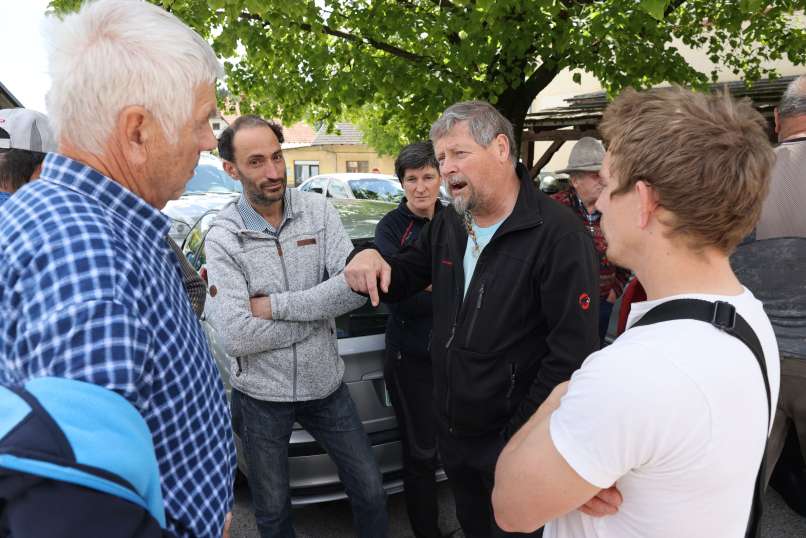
(357, 166)
(305, 169)
(216, 125)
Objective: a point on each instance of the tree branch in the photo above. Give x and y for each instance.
(541, 78)
(386, 47)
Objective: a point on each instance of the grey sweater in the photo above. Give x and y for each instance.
(293, 356)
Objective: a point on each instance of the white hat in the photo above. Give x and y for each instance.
(25, 129)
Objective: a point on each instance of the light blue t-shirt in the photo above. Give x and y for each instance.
(483, 236)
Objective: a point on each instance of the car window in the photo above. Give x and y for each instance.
(209, 178)
(336, 189)
(316, 185)
(376, 189)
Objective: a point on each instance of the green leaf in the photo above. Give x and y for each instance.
(393, 67)
(655, 8)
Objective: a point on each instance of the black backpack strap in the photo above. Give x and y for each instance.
(724, 317)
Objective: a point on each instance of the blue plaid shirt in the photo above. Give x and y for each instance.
(255, 221)
(90, 290)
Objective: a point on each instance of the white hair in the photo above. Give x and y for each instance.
(116, 53)
(793, 102)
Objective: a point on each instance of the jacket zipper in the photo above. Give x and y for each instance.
(458, 293)
(475, 314)
(513, 369)
(293, 346)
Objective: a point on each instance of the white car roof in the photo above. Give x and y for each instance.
(344, 176)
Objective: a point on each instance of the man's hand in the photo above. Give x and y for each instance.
(261, 307)
(364, 272)
(227, 524)
(606, 503)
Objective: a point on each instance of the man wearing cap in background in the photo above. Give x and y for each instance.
(25, 137)
(584, 164)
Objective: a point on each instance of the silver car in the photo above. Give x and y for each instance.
(210, 188)
(313, 476)
(356, 185)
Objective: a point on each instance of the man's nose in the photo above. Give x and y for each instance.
(208, 141)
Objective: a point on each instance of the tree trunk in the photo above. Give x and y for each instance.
(514, 103)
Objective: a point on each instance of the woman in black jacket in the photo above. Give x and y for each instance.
(407, 367)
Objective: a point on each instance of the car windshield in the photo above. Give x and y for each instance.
(209, 178)
(376, 189)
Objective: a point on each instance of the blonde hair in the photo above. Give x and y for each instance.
(708, 157)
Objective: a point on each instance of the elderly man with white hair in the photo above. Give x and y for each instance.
(89, 288)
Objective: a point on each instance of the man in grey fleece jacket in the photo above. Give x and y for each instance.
(275, 260)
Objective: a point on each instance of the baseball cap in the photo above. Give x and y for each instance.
(25, 129)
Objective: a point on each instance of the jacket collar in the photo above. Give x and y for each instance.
(526, 213)
(404, 208)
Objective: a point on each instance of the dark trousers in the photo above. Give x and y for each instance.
(265, 429)
(470, 466)
(790, 413)
(409, 380)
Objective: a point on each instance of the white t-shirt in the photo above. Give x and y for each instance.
(674, 414)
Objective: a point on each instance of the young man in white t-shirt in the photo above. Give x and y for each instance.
(672, 418)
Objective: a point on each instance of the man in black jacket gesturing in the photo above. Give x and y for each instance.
(515, 280)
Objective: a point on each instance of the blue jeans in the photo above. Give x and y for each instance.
(265, 429)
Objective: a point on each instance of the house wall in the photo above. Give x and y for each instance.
(333, 158)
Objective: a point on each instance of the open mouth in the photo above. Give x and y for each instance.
(457, 186)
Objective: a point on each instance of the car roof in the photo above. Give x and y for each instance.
(345, 176)
(209, 158)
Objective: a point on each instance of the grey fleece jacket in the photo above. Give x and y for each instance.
(293, 356)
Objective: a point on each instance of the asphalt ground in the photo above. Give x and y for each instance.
(334, 519)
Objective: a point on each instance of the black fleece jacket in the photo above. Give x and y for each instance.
(409, 326)
(529, 319)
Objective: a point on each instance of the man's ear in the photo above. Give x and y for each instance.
(136, 128)
(502, 149)
(230, 169)
(777, 115)
(647, 202)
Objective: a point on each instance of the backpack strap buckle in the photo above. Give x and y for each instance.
(724, 316)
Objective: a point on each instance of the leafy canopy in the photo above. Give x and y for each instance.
(393, 66)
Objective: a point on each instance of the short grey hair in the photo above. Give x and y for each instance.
(116, 53)
(793, 102)
(483, 121)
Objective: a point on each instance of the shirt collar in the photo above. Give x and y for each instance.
(110, 194)
(254, 221)
(577, 201)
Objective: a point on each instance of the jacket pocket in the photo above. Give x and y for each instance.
(481, 390)
(238, 367)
